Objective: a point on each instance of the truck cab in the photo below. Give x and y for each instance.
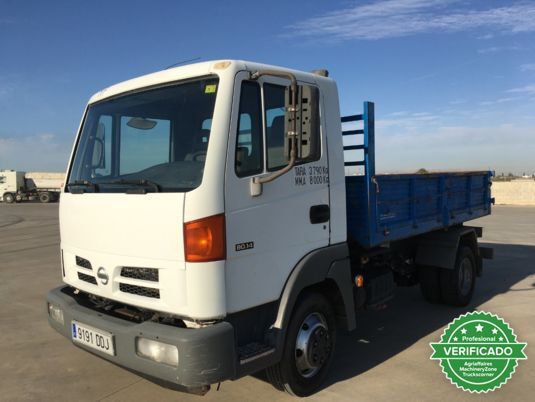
(11, 182)
(170, 159)
(204, 227)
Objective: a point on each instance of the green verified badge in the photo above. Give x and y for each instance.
(478, 352)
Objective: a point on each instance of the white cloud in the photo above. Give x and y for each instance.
(528, 89)
(396, 18)
(400, 113)
(496, 49)
(37, 152)
(527, 67)
(486, 37)
(500, 100)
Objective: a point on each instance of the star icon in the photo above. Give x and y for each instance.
(455, 338)
(494, 331)
(501, 338)
(463, 331)
(479, 328)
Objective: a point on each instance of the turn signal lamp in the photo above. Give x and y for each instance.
(204, 239)
(359, 281)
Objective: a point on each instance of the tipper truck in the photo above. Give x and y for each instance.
(212, 226)
(16, 186)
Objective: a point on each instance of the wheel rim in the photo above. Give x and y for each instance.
(466, 277)
(313, 345)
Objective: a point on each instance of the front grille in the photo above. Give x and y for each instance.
(87, 278)
(82, 262)
(139, 290)
(145, 274)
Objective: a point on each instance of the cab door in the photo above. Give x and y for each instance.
(268, 234)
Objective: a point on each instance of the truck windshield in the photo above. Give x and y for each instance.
(153, 140)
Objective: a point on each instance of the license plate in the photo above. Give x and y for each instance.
(92, 337)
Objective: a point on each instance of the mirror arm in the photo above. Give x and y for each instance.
(292, 134)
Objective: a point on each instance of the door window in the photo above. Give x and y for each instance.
(249, 144)
(274, 103)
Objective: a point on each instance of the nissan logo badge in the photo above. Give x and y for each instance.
(103, 276)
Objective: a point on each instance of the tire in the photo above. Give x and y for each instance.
(45, 197)
(303, 369)
(9, 198)
(457, 285)
(430, 283)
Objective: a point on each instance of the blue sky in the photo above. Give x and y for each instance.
(453, 81)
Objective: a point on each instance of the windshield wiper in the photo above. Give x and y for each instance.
(140, 182)
(80, 184)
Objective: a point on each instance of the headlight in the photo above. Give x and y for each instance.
(157, 351)
(55, 313)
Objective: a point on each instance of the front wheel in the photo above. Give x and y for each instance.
(308, 347)
(9, 198)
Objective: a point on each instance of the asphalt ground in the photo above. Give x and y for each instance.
(385, 359)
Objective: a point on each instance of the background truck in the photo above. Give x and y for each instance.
(214, 225)
(16, 186)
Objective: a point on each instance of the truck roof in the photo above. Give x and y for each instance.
(196, 70)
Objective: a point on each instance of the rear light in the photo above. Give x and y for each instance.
(204, 239)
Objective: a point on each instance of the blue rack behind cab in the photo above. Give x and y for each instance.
(389, 207)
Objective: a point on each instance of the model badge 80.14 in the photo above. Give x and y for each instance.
(244, 246)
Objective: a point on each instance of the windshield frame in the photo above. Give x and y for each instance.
(112, 185)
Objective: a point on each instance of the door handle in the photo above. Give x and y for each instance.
(320, 213)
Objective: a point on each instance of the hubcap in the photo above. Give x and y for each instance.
(466, 273)
(313, 345)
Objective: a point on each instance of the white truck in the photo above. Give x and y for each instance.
(209, 230)
(17, 186)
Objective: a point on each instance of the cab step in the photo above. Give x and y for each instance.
(253, 351)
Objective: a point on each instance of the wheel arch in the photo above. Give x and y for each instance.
(439, 248)
(326, 271)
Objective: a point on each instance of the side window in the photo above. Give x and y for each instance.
(137, 136)
(274, 96)
(249, 144)
(102, 146)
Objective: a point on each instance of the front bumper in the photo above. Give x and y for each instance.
(206, 355)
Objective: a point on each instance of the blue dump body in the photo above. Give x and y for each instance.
(390, 207)
(411, 204)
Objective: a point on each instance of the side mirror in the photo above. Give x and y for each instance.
(307, 115)
(98, 161)
(98, 154)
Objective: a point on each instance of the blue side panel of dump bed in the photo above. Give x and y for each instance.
(383, 208)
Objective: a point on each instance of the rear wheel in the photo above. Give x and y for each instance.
(429, 278)
(308, 347)
(457, 285)
(9, 198)
(44, 197)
